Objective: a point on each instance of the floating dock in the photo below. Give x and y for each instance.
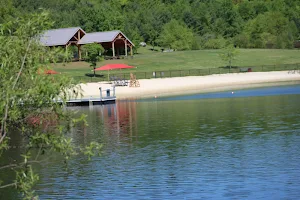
(108, 98)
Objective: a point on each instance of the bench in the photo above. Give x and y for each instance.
(245, 69)
(118, 81)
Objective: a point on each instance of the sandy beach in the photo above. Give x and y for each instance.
(193, 84)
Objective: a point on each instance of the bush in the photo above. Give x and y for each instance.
(217, 43)
(197, 41)
(241, 40)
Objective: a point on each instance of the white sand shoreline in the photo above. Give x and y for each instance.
(194, 84)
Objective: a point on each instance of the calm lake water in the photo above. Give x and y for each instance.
(244, 145)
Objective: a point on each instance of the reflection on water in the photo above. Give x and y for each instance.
(237, 148)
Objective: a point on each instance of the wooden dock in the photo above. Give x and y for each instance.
(108, 97)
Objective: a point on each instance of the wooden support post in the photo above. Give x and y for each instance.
(113, 48)
(131, 53)
(79, 52)
(126, 48)
(67, 46)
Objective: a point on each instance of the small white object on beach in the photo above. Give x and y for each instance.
(155, 96)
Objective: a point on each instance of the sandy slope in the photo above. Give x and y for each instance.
(192, 84)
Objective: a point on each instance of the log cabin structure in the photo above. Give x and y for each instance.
(65, 37)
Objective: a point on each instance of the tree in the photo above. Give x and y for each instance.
(6, 10)
(176, 36)
(280, 31)
(152, 19)
(229, 54)
(134, 36)
(93, 54)
(28, 104)
(226, 19)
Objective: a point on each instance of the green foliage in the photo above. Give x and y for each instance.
(92, 53)
(135, 37)
(3, 147)
(271, 30)
(6, 10)
(228, 19)
(229, 54)
(211, 41)
(176, 36)
(27, 105)
(242, 40)
(26, 179)
(93, 149)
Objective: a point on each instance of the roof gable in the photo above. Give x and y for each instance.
(100, 37)
(58, 37)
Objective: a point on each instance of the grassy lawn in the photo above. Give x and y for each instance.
(148, 61)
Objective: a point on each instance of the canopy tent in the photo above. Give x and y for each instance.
(113, 66)
(109, 67)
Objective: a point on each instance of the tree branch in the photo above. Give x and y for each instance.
(3, 124)
(22, 164)
(8, 166)
(8, 185)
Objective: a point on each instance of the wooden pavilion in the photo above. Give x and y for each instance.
(65, 37)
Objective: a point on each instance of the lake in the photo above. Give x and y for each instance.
(241, 145)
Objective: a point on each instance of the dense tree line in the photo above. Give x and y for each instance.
(178, 24)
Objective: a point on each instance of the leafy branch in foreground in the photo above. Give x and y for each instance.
(27, 106)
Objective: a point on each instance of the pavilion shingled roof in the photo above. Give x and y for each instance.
(57, 37)
(100, 37)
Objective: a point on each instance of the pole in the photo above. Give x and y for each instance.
(131, 53)
(126, 48)
(100, 93)
(113, 48)
(79, 52)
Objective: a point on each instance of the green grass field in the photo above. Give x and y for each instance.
(148, 61)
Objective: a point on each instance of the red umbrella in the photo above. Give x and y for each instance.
(113, 66)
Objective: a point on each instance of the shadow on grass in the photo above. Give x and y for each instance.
(228, 67)
(151, 49)
(94, 75)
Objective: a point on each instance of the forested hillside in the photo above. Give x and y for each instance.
(178, 24)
